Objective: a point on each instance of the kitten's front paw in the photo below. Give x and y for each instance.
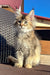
(18, 65)
(28, 66)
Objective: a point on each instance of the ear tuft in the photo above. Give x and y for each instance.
(32, 8)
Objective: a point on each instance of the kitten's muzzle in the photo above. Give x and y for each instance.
(21, 24)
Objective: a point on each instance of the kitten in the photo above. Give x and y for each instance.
(27, 44)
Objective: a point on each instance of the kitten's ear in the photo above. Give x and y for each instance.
(18, 14)
(31, 15)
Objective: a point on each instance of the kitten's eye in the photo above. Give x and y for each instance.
(25, 21)
(19, 21)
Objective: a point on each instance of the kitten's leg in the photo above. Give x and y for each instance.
(19, 55)
(36, 57)
(28, 62)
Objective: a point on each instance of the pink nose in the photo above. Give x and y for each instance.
(21, 24)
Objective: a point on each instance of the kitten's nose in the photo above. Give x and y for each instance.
(21, 24)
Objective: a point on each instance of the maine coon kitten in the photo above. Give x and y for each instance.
(27, 44)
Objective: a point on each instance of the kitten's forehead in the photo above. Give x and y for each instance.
(23, 16)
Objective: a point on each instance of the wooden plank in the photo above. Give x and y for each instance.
(42, 25)
(22, 6)
(45, 59)
(42, 28)
(45, 45)
(9, 9)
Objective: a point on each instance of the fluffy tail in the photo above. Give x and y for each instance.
(12, 59)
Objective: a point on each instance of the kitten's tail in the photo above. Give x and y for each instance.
(12, 59)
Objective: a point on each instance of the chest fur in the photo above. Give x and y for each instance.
(25, 43)
(26, 40)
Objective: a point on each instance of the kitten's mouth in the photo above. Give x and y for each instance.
(22, 27)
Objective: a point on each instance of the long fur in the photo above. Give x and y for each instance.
(27, 44)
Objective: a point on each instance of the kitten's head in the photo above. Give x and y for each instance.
(27, 23)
